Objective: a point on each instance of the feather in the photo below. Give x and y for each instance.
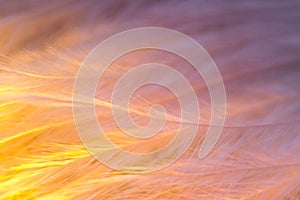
(255, 45)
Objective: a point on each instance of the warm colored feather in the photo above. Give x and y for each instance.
(256, 46)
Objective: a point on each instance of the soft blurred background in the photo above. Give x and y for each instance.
(256, 46)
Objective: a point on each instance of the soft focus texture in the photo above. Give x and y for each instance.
(256, 46)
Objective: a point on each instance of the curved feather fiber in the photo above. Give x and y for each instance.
(256, 46)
